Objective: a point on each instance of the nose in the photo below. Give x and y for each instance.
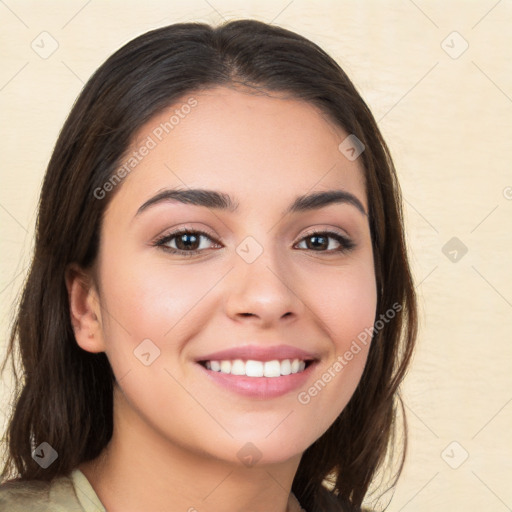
(262, 292)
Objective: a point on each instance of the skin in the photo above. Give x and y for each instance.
(176, 434)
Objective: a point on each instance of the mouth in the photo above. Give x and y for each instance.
(259, 380)
(254, 368)
(259, 371)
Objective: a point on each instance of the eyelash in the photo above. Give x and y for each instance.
(345, 243)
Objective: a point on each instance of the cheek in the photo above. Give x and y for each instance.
(345, 304)
(155, 301)
(158, 296)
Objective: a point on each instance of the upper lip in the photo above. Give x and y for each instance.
(259, 353)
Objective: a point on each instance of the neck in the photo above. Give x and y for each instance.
(141, 470)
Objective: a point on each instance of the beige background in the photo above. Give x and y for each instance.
(447, 117)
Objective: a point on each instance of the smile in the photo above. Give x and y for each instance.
(261, 380)
(253, 368)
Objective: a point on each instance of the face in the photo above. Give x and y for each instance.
(186, 286)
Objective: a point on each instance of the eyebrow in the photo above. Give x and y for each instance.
(220, 201)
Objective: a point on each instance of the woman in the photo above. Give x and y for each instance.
(220, 309)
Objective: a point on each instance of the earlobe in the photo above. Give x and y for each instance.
(84, 309)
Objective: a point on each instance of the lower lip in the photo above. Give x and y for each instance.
(260, 387)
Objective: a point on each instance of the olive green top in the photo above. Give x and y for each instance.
(72, 493)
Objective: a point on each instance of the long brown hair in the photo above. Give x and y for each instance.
(61, 384)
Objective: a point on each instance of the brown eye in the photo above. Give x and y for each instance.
(185, 242)
(320, 241)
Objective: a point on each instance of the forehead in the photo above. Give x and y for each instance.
(258, 148)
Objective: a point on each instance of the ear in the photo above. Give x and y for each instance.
(85, 310)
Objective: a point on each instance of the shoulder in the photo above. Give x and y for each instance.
(17, 496)
(57, 495)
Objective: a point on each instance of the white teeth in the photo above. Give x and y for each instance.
(272, 368)
(254, 368)
(251, 368)
(225, 366)
(286, 367)
(237, 367)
